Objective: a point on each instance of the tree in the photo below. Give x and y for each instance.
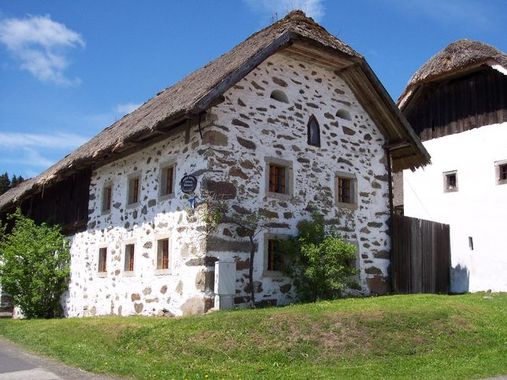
(34, 266)
(248, 224)
(5, 183)
(16, 180)
(321, 263)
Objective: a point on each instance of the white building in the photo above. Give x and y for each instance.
(457, 103)
(289, 119)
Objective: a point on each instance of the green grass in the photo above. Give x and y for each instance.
(416, 336)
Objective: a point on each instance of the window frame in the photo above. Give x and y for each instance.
(130, 178)
(107, 185)
(289, 180)
(168, 270)
(163, 176)
(498, 170)
(127, 272)
(267, 272)
(353, 190)
(102, 273)
(446, 175)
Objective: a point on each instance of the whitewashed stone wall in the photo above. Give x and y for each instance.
(182, 291)
(250, 127)
(477, 210)
(238, 135)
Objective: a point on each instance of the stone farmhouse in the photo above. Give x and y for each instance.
(457, 103)
(291, 118)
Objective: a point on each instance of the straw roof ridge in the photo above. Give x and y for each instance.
(457, 56)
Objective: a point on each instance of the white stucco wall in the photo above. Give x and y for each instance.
(477, 210)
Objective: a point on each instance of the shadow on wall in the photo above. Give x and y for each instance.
(460, 279)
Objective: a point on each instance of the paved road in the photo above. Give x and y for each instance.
(17, 364)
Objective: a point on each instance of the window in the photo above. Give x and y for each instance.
(313, 131)
(102, 260)
(133, 190)
(277, 179)
(163, 254)
(345, 189)
(279, 96)
(129, 258)
(450, 181)
(107, 192)
(275, 257)
(343, 114)
(501, 173)
(167, 180)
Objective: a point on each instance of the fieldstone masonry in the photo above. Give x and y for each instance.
(240, 135)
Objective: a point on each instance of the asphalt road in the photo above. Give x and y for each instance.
(17, 364)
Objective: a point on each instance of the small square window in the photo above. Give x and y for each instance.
(133, 190)
(167, 180)
(107, 193)
(450, 181)
(501, 173)
(163, 254)
(275, 257)
(129, 258)
(102, 260)
(345, 190)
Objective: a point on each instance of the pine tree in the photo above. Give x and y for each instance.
(5, 183)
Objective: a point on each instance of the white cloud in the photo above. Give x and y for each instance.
(13, 140)
(40, 45)
(126, 108)
(28, 157)
(279, 8)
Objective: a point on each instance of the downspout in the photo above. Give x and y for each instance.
(391, 216)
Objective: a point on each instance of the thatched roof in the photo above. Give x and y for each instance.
(462, 55)
(196, 92)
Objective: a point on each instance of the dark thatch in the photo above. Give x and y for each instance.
(457, 57)
(195, 93)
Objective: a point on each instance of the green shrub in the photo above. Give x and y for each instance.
(320, 263)
(34, 266)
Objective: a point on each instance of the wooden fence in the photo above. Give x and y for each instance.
(421, 256)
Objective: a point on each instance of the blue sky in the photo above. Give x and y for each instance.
(68, 69)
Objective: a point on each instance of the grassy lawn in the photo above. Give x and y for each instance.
(421, 336)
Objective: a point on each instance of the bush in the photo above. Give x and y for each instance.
(321, 264)
(34, 266)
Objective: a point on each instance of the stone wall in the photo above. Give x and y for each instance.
(184, 289)
(239, 135)
(250, 127)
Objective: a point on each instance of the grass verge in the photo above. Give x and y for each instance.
(413, 336)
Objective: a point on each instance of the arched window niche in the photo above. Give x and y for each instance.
(343, 114)
(313, 131)
(279, 96)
